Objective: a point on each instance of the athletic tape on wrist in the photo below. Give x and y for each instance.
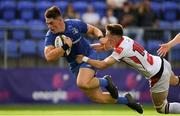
(85, 59)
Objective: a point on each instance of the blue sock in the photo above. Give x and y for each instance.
(122, 100)
(103, 82)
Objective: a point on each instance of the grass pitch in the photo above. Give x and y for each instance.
(74, 110)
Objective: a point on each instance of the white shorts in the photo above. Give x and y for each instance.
(163, 83)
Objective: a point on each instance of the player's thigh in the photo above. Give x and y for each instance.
(173, 78)
(85, 75)
(159, 98)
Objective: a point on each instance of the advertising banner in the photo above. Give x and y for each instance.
(56, 85)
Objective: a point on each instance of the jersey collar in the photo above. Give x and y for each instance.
(120, 41)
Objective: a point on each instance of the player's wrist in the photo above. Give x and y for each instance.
(85, 59)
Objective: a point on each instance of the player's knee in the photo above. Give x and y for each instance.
(83, 85)
(163, 109)
(80, 85)
(159, 110)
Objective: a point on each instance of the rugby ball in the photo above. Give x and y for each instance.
(59, 41)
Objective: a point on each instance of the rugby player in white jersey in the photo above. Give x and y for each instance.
(154, 68)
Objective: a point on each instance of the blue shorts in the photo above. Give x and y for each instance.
(75, 70)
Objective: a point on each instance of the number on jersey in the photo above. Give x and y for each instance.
(140, 49)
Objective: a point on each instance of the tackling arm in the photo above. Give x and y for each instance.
(100, 64)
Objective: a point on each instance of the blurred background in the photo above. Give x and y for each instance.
(25, 75)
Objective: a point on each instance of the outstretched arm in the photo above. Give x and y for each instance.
(164, 48)
(100, 64)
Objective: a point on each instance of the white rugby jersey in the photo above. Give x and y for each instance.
(133, 54)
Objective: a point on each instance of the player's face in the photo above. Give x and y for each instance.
(54, 24)
(111, 39)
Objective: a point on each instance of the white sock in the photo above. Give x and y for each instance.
(174, 108)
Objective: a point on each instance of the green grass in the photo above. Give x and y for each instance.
(73, 110)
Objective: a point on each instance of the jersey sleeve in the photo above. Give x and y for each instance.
(118, 53)
(49, 39)
(82, 26)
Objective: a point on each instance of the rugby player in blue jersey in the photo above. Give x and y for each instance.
(85, 74)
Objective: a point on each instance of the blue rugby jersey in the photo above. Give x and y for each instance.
(75, 29)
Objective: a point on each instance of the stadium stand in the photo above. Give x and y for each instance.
(27, 47)
(175, 53)
(18, 34)
(80, 7)
(156, 8)
(165, 25)
(26, 10)
(9, 9)
(36, 29)
(3, 23)
(11, 47)
(62, 5)
(176, 24)
(100, 7)
(169, 10)
(29, 16)
(41, 6)
(153, 46)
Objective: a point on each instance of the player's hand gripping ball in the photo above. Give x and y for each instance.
(61, 40)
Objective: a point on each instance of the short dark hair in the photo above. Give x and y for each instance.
(52, 12)
(115, 29)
